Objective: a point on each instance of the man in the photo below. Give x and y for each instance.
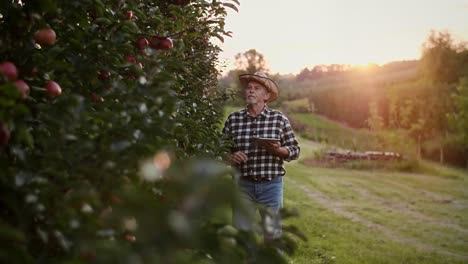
(260, 162)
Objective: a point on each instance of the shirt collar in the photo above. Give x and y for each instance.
(264, 112)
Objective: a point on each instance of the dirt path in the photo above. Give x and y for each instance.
(337, 208)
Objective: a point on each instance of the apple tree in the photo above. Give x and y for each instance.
(109, 134)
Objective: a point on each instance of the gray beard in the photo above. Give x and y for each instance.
(251, 101)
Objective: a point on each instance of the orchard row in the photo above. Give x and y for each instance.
(47, 37)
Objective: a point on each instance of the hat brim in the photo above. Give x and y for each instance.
(268, 83)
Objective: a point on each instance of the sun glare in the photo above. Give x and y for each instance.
(357, 33)
(364, 67)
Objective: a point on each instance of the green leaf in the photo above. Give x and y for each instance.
(130, 26)
(99, 3)
(232, 6)
(219, 37)
(140, 14)
(103, 21)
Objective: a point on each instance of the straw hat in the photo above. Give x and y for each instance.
(263, 79)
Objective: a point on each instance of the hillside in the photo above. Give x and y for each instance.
(371, 75)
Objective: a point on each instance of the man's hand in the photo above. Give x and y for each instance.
(237, 158)
(275, 149)
(270, 146)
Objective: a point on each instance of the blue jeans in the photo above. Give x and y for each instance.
(268, 194)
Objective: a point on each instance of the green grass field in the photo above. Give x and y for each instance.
(322, 130)
(359, 216)
(355, 216)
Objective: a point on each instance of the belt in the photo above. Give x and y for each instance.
(252, 179)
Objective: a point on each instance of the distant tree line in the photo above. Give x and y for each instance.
(421, 98)
(320, 71)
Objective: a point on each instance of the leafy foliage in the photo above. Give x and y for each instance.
(74, 187)
(459, 119)
(251, 61)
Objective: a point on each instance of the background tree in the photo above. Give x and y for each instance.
(375, 121)
(441, 61)
(251, 61)
(459, 119)
(442, 64)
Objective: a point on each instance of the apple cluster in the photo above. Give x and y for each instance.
(9, 73)
(141, 43)
(156, 43)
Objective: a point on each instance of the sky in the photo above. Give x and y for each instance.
(294, 34)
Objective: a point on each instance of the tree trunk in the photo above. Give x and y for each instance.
(441, 154)
(419, 147)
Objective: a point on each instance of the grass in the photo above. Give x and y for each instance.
(320, 129)
(337, 135)
(377, 217)
(299, 105)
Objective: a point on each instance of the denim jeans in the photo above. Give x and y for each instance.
(268, 194)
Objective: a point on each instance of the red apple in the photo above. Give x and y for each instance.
(159, 43)
(103, 75)
(96, 98)
(166, 44)
(9, 70)
(23, 88)
(129, 14)
(53, 89)
(4, 135)
(45, 36)
(141, 43)
(131, 59)
(130, 238)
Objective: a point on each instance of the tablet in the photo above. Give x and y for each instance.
(267, 139)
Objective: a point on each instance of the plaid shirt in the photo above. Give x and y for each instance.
(243, 128)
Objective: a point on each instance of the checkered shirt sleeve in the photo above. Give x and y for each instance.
(242, 129)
